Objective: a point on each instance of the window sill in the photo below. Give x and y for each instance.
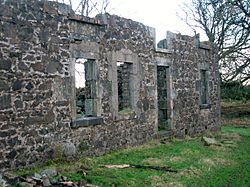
(205, 106)
(86, 122)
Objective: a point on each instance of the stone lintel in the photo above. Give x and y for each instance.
(205, 106)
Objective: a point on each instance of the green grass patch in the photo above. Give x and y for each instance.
(197, 165)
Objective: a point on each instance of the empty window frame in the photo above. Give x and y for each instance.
(85, 83)
(203, 87)
(124, 85)
(162, 96)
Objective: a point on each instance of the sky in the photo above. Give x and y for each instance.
(160, 14)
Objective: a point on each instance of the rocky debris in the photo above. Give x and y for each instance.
(209, 141)
(51, 172)
(224, 139)
(46, 178)
(26, 184)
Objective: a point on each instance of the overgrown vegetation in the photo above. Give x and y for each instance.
(234, 91)
(235, 105)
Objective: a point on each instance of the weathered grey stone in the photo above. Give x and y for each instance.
(37, 176)
(38, 67)
(26, 184)
(50, 172)
(17, 85)
(5, 102)
(18, 104)
(44, 35)
(22, 66)
(25, 33)
(5, 64)
(7, 133)
(53, 67)
(209, 141)
(68, 149)
(29, 86)
(4, 86)
(12, 155)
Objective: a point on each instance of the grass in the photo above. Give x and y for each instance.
(197, 165)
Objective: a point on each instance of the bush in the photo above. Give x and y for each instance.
(234, 91)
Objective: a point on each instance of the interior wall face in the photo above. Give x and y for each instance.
(39, 44)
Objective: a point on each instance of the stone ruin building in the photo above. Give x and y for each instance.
(132, 90)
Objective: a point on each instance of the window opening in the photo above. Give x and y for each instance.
(162, 91)
(124, 71)
(204, 87)
(85, 84)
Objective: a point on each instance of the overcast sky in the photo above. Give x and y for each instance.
(160, 14)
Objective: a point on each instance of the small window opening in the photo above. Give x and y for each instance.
(124, 71)
(162, 96)
(85, 84)
(204, 87)
(186, 131)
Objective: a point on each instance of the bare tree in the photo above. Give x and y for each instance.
(88, 7)
(227, 26)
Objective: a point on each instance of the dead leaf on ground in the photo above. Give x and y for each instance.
(117, 166)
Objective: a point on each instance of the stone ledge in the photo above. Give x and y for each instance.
(161, 50)
(205, 106)
(164, 134)
(86, 121)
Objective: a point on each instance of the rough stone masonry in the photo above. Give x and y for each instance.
(135, 91)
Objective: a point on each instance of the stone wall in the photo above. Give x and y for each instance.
(189, 57)
(39, 44)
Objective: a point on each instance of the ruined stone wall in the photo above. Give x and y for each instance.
(34, 68)
(188, 56)
(117, 41)
(39, 44)
(39, 41)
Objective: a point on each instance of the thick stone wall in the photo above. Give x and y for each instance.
(39, 44)
(189, 58)
(34, 71)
